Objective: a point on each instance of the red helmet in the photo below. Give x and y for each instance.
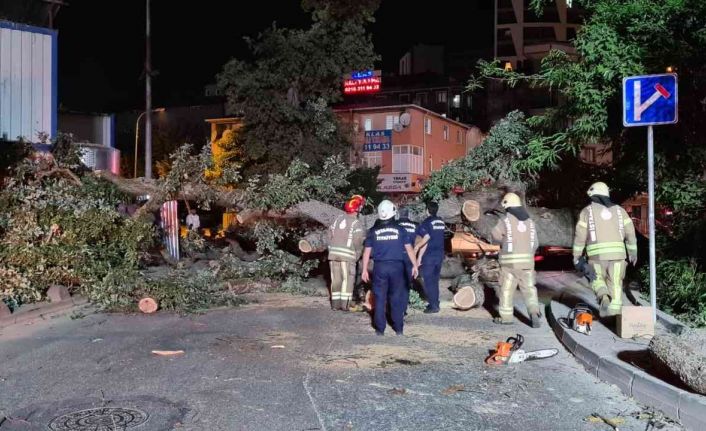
(354, 204)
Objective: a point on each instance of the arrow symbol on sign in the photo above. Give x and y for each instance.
(660, 91)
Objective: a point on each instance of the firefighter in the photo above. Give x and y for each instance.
(411, 228)
(389, 246)
(346, 236)
(431, 255)
(517, 236)
(605, 230)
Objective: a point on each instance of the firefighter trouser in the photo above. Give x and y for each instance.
(510, 278)
(342, 283)
(408, 282)
(609, 281)
(431, 272)
(389, 289)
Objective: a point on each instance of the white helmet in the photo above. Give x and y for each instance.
(600, 189)
(386, 210)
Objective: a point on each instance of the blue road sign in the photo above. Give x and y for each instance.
(649, 100)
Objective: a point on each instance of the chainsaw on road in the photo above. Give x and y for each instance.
(509, 352)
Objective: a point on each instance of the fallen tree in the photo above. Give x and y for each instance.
(684, 355)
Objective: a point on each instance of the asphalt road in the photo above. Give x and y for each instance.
(290, 363)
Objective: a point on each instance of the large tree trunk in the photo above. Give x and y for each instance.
(684, 355)
(478, 209)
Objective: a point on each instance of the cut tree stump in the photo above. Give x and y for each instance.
(468, 293)
(148, 305)
(58, 293)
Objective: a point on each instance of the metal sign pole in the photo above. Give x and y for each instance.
(651, 219)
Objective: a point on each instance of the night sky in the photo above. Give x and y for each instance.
(101, 43)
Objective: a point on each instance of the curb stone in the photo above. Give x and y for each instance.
(42, 311)
(688, 408)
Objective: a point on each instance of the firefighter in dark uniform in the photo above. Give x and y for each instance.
(431, 255)
(389, 246)
(411, 228)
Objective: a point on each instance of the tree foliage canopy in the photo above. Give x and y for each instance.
(284, 93)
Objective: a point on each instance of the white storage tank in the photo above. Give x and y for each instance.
(28, 81)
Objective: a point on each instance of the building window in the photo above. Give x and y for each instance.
(372, 159)
(407, 159)
(391, 120)
(440, 97)
(427, 126)
(404, 97)
(588, 154)
(457, 101)
(446, 132)
(420, 99)
(368, 124)
(458, 137)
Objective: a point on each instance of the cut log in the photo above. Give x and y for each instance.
(147, 305)
(684, 355)
(468, 292)
(314, 242)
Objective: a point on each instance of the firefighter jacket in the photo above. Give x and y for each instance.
(518, 240)
(346, 236)
(604, 232)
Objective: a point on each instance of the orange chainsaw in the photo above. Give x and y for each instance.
(509, 352)
(580, 319)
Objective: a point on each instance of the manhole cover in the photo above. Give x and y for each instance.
(100, 419)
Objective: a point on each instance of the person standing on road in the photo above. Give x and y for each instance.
(389, 246)
(605, 230)
(346, 236)
(411, 228)
(517, 236)
(431, 255)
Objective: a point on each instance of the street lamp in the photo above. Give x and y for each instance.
(137, 135)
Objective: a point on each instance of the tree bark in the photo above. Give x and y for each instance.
(684, 355)
(314, 242)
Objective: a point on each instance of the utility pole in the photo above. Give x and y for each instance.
(148, 97)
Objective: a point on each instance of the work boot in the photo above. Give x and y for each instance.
(501, 321)
(537, 320)
(430, 310)
(605, 302)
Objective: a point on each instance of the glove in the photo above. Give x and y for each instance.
(632, 259)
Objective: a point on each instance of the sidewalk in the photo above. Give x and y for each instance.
(625, 363)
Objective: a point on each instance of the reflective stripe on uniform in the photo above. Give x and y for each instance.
(627, 222)
(516, 258)
(617, 300)
(344, 271)
(605, 247)
(342, 251)
(582, 224)
(335, 295)
(578, 249)
(632, 247)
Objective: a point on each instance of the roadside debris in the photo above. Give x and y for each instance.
(168, 352)
(397, 391)
(453, 389)
(612, 422)
(148, 305)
